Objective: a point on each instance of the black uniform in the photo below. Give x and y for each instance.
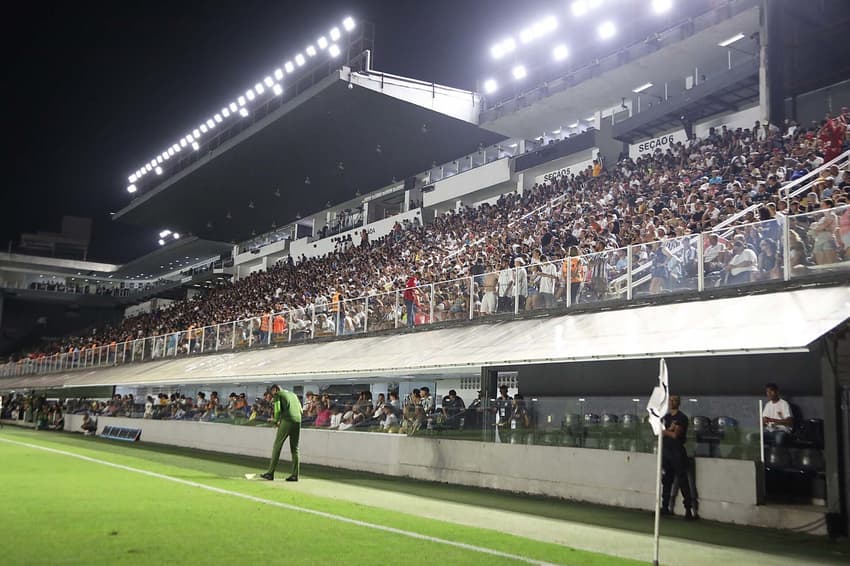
(674, 461)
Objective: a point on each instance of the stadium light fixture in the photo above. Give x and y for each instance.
(249, 94)
(661, 6)
(259, 88)
(190, 138)
(204, 128)
(183, 142)
(132, 178)
(539, 29)
(158, 160)
(579, 8)
(243, 112)
(641, 88)
(161, 242)
(225, 112)
(132, 189)
(335, 34)
(158, 170)
(278, 90)
(289, 66)
(176, 236)
(171, 151)
(560, 52)
(491, 86)
(148, 167)
(211, 123)
(496, 51)
(519, 72)
(278, 74)
(731, 40)
(311, 51)
(196, 132)
(195, 146)
(299, 60)
(164, 233)
(153, 163)
(348, 23)
(334, 50)
(269, 81)
(322, 42)
(233, 107)
(607, 30)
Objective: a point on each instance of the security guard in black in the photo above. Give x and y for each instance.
(674, 458)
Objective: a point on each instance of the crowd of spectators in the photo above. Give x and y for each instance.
(581, 221)
(34, 410)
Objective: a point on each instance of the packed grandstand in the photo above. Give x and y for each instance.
(525, 250)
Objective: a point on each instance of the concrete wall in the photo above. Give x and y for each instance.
(728, 489)
(463, 184)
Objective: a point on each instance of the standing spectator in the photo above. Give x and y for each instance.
(520, 282)
(674, 458)
(411, 294)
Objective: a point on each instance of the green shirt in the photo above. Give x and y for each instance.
(287, 407)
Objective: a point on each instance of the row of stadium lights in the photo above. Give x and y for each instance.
(606, 30)
(270, 84)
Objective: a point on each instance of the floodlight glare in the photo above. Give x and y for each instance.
(190, 138)
(204, 128)
(311, 51)
(496, 51)
(158, 170)
(153, 163)
(176, 236)
(131, 189)
(148, 167)
(269, 81)
(299, 60)
(165, 155)
(334, 50)
(278, 74)
(508, 44)
(243, 112)
(348, 23)
(607, 30)
(225, 112)
(164, 233)
(335, 35)
(519, 72)
(560, 52)
(196, 133)
(159, 159)
(233, 107)
(526, 35)
(259, 88)
(661, 6)
(278, 90)
(731, 40)
(161, 242)
(322, 42)
(218, 117)
(579, 8)
(170, 151)
(290, 68)
(176, 148)
(491, 86)
(210, 123)
(195, 146)
(249, 94)
(132, 178)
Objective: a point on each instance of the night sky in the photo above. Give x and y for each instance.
(92, 89)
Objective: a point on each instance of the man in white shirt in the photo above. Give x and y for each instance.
(742, 263)
(776, 416)
(520, 282)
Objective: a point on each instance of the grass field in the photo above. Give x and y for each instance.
(68, 499)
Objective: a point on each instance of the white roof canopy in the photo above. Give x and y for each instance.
(786, 321)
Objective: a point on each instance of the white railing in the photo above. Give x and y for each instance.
(673, 265)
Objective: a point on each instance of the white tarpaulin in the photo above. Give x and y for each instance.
(657, 404)
(776, 322)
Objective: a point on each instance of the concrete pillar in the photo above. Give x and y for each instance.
(771, 64)
(365, 213)
(831, 434)
(406, 201)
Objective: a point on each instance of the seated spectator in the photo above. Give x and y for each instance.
(777, 417)
(89, 425)
(389, 422)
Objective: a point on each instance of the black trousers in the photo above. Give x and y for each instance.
(674, 466)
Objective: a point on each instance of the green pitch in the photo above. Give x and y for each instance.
(59, 509)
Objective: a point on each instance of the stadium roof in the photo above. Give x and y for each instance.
(178, 254)
(330, 134)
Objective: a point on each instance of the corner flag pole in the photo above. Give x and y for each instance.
(657, 408)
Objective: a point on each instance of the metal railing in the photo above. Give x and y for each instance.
(776, 249)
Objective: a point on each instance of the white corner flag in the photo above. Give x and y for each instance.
(657, 408)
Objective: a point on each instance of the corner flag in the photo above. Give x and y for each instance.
(657, 405)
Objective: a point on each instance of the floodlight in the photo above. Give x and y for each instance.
(176, 147)
(161, 242)
(526, 35)
(560, 52)
(322, 42)
(348, 23)
(508, 44)
(158, 170)
(299, 60)
(225, 112)
(233, 107)
(131, 189)
(243, 112)
(519, 72)
(497, 51)
(334, 50)
(176, 236)
(170, 151)
(334, 33)
(132, 178)
(579, 8)
(490, 86)
(210, 123)
(190, 138)
(183, 142)
(290, 68)
(607, 30)
(548, 24)
(153, 163)
(269, 81)
(731, 40)
(159, 159)
(311, 51)
(278, 90)
(195, 146)
(166, 156)
(148, 167)
(642, 88)
(196, 133)
(164, 233)
(259, 88)
(661, 6)
(249, 94)
(278, 74)
(204, 128)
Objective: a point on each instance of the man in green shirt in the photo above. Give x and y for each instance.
(287, 419)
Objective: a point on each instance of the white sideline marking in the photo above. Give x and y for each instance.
(287, 506)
